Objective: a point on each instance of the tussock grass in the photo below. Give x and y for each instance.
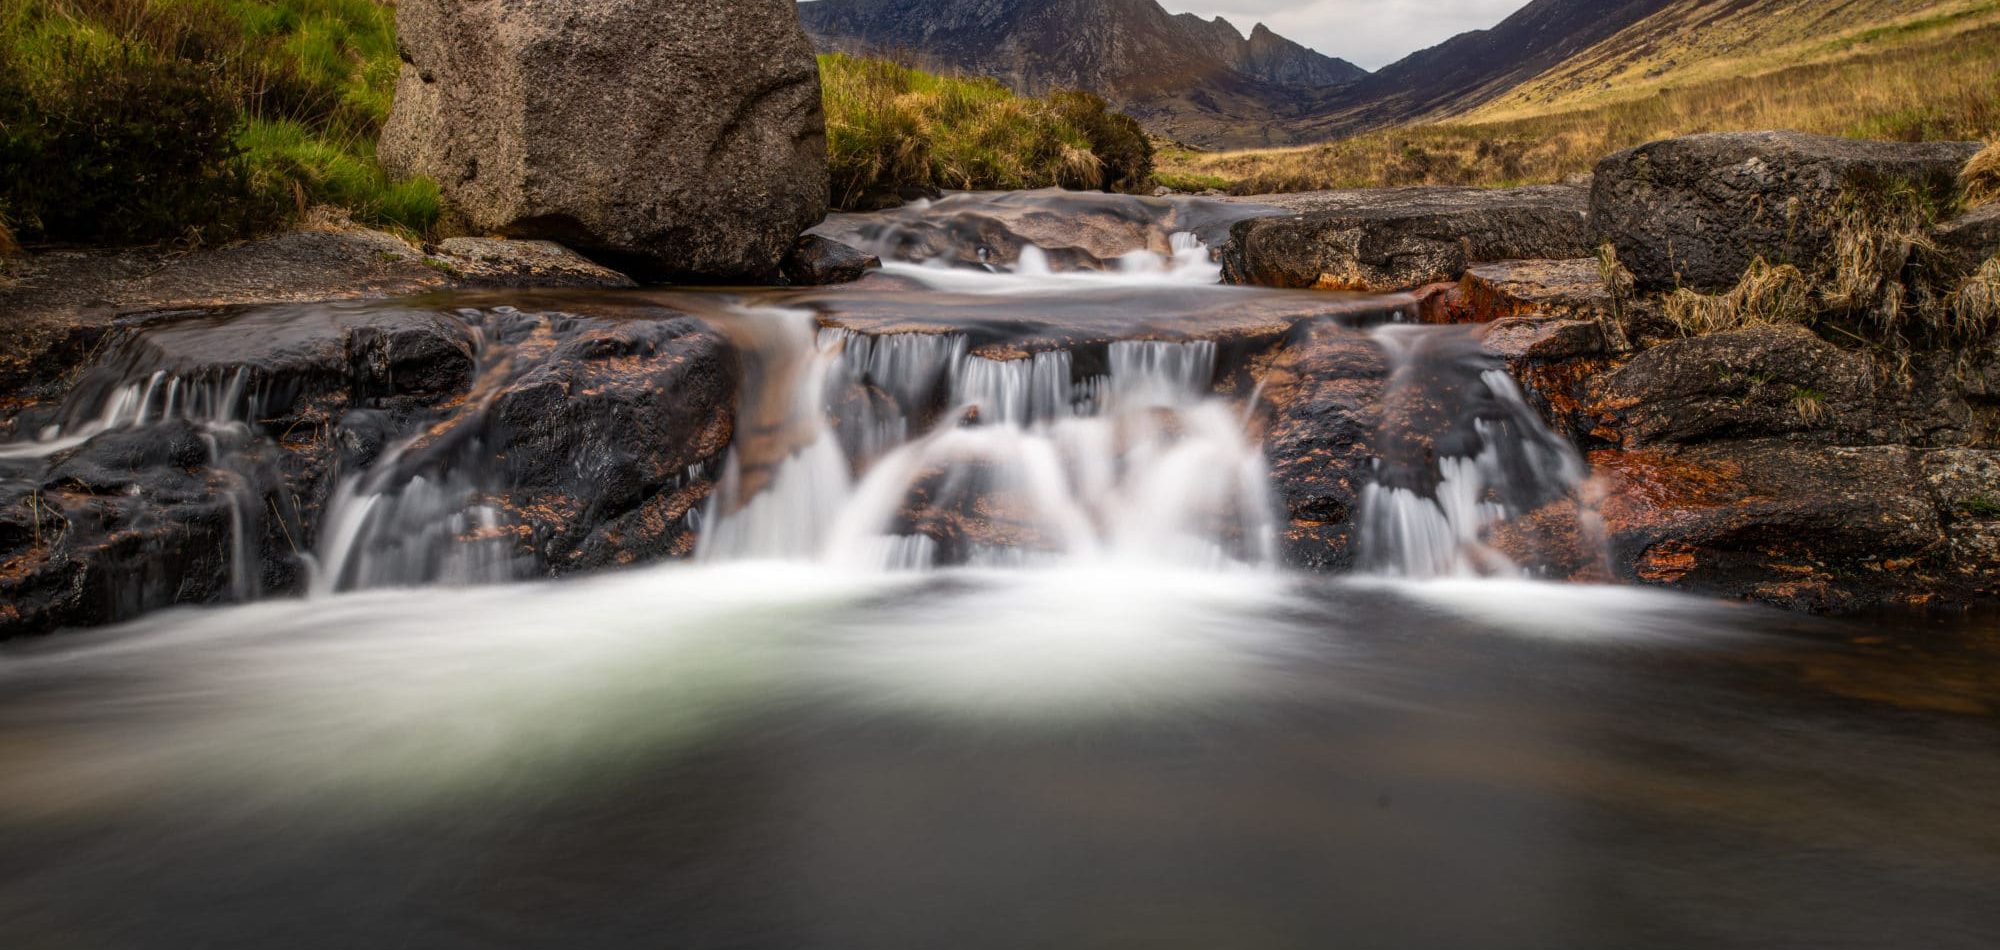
(1973, 312)
(893, 130)
(1769, 294)
(1926, 86)
(1981, 180)
(1884, 283)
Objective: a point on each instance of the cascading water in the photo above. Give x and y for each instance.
(983, 644)
(1462, 453)
(923, 454)
(995, 402)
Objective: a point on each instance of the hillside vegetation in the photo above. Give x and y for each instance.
(893, 130)
(1931, 75)
(144, 120)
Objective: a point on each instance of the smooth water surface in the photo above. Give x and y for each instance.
(772, 755)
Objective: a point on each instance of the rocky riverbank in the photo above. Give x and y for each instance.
(1837, 452)
(1779, 460)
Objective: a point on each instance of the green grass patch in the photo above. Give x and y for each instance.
(144, 120)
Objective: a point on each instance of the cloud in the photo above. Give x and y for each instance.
(1370, 33)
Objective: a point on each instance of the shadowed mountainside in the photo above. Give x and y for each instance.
(1185, 77)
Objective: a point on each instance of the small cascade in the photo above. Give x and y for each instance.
(124, 401)
(927, 455)
(222, 407)
(1462, 456)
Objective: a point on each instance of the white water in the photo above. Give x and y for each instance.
(1143, 463)
(909, 451)
(1443, 532)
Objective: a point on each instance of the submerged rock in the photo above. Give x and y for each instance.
(817, 261)
(683, 136)
(1402, 238)
(1695, 211)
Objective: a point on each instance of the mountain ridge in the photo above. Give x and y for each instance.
(1182, 75)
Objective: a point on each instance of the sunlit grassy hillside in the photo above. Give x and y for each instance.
(1912, 78)
(892, 129)
(134, 120)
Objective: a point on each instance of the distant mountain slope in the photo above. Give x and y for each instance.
(1185, 76)
(1473, 68)
(1691, 41)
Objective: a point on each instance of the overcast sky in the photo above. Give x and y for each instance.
(1368, 33)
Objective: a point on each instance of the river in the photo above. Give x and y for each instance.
(988, 635)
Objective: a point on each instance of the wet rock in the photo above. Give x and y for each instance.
(65, 303)
(1971, 238)
(1398, 239)
(1325, 392)
(1071, 230)
(606, 447)
(496, 262)
(684, 136)
(1533, 339)
(1966, 483)
(817, 261)
(1804, 527)
(1762, 381)
(590, 437)
(1567, 290)
(1695, 211)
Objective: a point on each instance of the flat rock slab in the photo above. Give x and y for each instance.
(1401, 238)
(1695, 211)
(58, 305)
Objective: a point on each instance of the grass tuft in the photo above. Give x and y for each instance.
(893, 130)
(1974, 310)
(1767, 295)
(1981, 179)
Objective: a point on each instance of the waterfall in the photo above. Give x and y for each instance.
(1462, 455)
(990, 401)
(921, 453)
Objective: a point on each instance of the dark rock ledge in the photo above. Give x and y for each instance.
(1771, 463)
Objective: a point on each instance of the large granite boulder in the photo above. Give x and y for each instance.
(681, 138)
(1695, 211)
(1400, 238)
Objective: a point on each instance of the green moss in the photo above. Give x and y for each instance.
(1979, 506)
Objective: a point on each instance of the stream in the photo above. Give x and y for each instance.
(982, 623)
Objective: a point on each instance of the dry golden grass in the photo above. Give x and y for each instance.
(891, 127)
(1974, 310)
(1926, 86)
(1768, 294)
(1690, 42)
(1981, 179)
